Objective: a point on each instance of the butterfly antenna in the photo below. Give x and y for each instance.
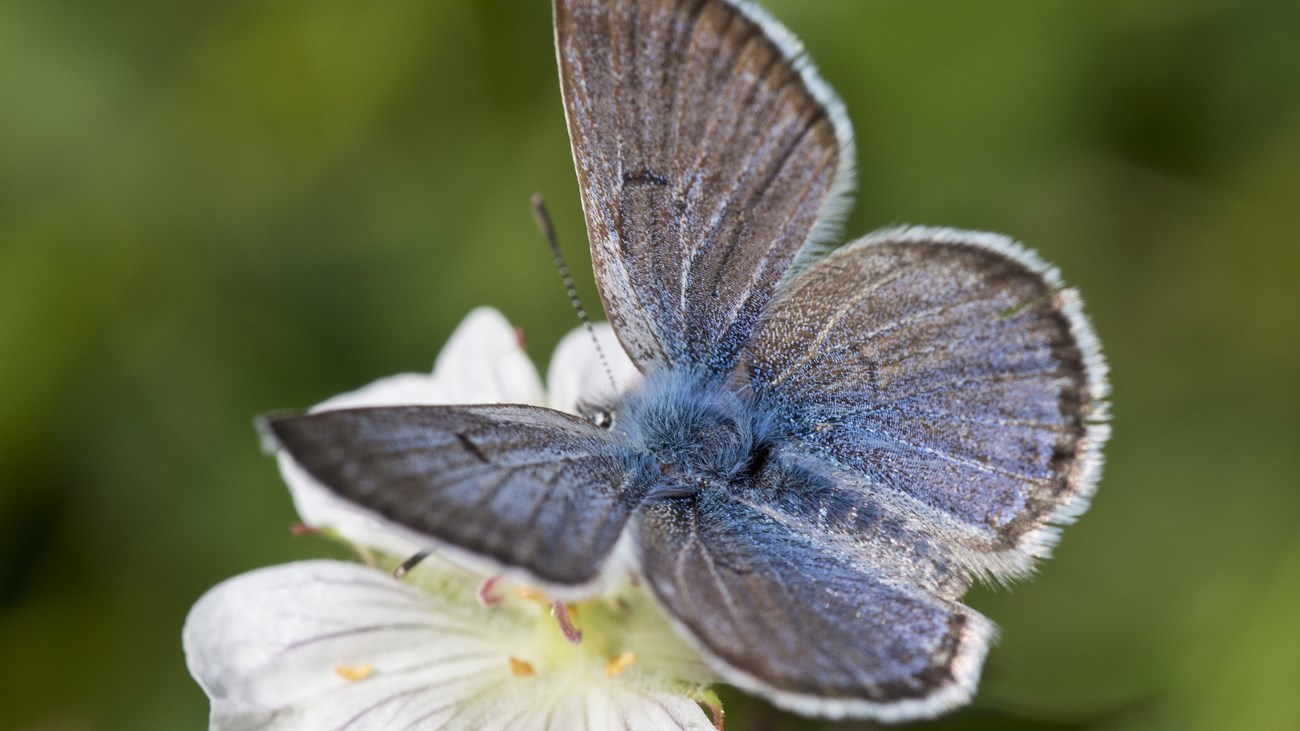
(548, 230)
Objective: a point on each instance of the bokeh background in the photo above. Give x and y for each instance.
(212, 210)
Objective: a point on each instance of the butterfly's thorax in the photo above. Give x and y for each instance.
(697, 430)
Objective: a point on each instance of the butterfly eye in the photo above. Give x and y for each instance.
(602, 418)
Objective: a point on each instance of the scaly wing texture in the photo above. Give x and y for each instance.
(526, 487)
(706, 150)
(954, 373)
(818, 625)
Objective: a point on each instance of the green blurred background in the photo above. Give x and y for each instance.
(208, 211)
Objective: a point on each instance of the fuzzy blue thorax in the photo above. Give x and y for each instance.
(697, 430)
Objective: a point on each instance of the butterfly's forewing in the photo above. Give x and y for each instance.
(952, 371)
(706, 152)
(526, 487)
(832, 628)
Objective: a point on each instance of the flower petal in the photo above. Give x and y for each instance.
(402, 389)
(325, 645)
(272, 649)
(577, 374)
(617, 708)
(483, 363)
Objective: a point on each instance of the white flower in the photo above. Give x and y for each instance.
(334, 645)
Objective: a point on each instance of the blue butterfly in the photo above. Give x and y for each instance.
(824, 451)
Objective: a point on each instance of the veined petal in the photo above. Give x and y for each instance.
(618, 709)
(576, 373)
(330, 645)
(272, 649)
(484, 363)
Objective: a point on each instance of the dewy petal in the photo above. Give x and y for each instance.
(577, 374)
(329, 645)
(481, 363)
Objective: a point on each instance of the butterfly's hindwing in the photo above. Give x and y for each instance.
(815, 626)
(949, 368)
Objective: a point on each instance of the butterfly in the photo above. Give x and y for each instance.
(824, 451)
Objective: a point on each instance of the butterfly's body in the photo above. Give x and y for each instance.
(699, 433)
(822, 454)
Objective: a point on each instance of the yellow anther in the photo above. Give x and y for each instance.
(521, 668)
(353, 673)
(622, 661)
(524, 592)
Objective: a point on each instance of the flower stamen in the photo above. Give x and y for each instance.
(484, 593)
(355, 673)
(521, 668)
(406, 566)
(622, 661)
(524, 592)
(561, 614)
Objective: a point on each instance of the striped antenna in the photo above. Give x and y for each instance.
(548, 231)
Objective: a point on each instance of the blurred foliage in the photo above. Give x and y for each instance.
(211, 210)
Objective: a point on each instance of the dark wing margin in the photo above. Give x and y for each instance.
(527, 488)
(815, 630)
(950, 370)
(708, 152)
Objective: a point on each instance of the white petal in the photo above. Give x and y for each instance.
(577, 374)
(268, 646)
(483, 363)
(402, 389)
(614, 707)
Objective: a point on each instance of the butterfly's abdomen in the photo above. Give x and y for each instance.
(697, 430)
